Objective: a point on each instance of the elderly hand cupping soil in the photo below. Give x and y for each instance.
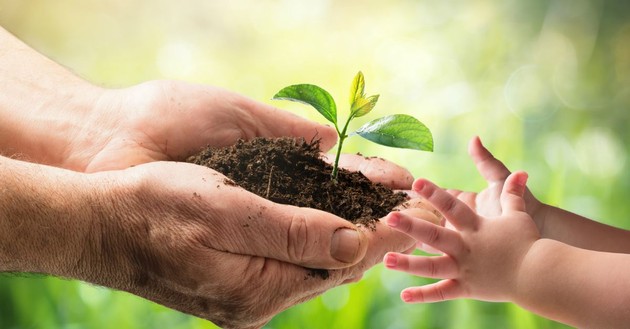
(87, 195)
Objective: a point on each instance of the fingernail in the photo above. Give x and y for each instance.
(393, 220)
(522, 179)
(418, 185)
(391, 260)
(345, 245)
(405, 296)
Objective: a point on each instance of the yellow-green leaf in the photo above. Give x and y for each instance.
(357, 89)
(363, 106)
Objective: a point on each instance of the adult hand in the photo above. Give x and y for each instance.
(170, 120)
(177, 234)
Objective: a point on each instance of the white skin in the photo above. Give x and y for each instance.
(97, 202)
(504, 245)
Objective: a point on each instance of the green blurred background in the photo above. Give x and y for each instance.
(546, 84)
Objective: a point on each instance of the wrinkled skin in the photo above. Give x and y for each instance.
(237, 261)
(182, 237)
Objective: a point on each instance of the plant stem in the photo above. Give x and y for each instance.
(342, 138)
(336, 164)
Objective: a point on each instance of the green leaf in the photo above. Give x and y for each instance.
(398, 130)
(312, 95)
(363, 106)
(357, 89)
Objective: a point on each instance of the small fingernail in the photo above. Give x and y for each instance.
(393, 220)
(522, 179)
(418, 185)
(345, 245)
(405, 296)
(391, 260)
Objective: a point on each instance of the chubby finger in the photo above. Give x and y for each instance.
(454, 192)
(455, 211)
(439, 267)
(489, 167)
(513, 192)
(433, 235)
(436, 292)
(377, 170)
(427, 248)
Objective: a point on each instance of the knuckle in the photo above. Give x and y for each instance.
(432, 269)
(297, 238)
(439, 294)
(428, 191)
(419, 296)
(449, 204)
(432, 235)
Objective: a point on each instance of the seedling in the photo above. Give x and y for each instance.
(397, 130)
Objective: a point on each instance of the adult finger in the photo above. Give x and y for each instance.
(441, 267)
(455, 211)
(422, 209)
(513, 192)
(376, 169)
(302, 236)
(489, 167)
(273, 122)
(235, 220)
(435, 292)
(381, 240)
(312, 238)
(251, 290)
(410, 193)
(433, 235)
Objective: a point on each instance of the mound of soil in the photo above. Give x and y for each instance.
(290, 171)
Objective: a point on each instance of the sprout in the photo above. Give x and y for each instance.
(397, 130)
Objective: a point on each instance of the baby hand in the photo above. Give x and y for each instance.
(481, 254)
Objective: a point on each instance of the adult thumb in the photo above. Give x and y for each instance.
(302, 236)
(316, 239)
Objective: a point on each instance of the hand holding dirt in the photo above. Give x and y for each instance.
(219, 252)
(174, 233)
(168, 120)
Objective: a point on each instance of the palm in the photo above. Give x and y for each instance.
(486, 203)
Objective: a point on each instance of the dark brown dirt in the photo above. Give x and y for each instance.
(290, 171)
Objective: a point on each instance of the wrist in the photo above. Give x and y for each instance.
(44, 218)
(118, 254)
(58, 130)
(534, 267)
(41, 122)
(43, 105)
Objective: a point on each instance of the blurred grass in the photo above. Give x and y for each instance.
(546, 84)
